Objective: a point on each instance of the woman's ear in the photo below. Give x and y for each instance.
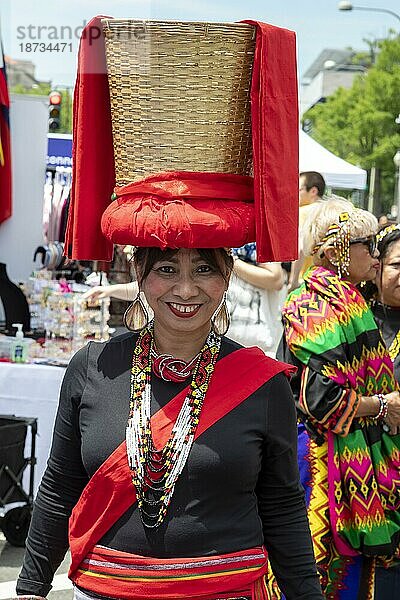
(331, 255)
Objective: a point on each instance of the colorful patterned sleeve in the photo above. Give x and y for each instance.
(328, 405)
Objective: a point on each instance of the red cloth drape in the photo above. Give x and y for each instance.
(275, 148)
(275, 130)
(110, 491)
(5, 145)
(93, 172)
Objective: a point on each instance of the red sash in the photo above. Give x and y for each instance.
(125, 576)
(110, 491)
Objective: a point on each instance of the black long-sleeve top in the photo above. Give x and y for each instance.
(239, 489)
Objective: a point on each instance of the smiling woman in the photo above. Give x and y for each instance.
(184, 288)
(173, 470)
(173, 431)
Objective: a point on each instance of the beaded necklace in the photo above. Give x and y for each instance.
(155, 472)
(169, 368)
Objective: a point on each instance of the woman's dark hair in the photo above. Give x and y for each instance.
(217, 258)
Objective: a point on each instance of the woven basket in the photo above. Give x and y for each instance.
(180, 96)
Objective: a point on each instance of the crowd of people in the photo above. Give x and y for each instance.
(341, 334)
(348, 405)
(242, 440)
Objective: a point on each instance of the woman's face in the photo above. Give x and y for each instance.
(184, 291)
(388, 280)
(363, 265)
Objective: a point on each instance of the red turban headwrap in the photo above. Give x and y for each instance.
(181, 209)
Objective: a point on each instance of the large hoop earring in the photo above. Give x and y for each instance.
(221, 319)
(136, 316)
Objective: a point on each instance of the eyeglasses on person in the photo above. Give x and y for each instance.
(369, 241)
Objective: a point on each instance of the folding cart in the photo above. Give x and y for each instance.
(13, 462)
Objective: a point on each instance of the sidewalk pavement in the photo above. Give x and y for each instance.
(10, 565)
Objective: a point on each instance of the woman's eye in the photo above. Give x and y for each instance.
(167, 269)
(204, 269)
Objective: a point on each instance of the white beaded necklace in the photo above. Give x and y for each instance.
(155, 472)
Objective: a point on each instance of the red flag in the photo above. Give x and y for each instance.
(5, 147)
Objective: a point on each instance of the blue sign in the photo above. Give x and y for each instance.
(59, 150)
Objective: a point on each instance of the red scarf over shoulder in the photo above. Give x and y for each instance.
(110, 491)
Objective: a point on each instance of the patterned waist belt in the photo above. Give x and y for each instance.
(113, 574)
(81, 595)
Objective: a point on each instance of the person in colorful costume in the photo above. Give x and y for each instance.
(349, 411)
(173, 470)
(384, 298)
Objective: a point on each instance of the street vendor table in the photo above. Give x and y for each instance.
(28, 390)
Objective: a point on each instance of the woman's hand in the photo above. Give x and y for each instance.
(393, 416)
(370, 406)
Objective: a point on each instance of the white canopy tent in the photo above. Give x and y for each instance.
(337, 172)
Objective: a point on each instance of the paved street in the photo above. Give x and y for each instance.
(10, 564)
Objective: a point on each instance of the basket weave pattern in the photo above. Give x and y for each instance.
(180, 96)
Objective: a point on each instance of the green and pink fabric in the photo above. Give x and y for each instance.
(330, 329)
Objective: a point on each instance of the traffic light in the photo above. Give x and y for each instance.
(55, 100)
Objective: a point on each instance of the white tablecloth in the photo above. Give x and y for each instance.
(32, 391)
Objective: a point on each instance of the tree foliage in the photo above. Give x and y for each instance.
(44, 89)
(359, 124)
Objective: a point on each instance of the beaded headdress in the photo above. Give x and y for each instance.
(384, 232)
(338, 235)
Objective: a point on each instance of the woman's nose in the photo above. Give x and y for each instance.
(185, 287)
